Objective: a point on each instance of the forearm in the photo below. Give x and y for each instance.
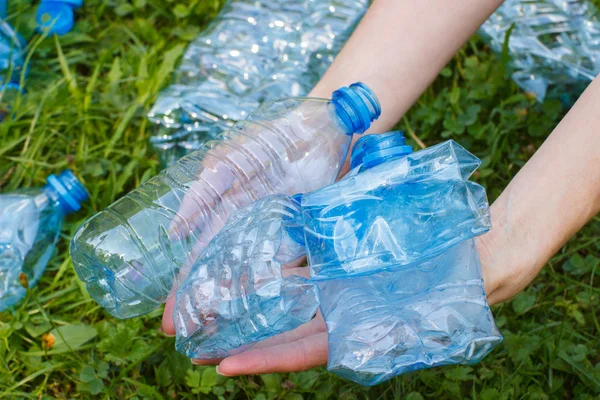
(549, 200)
(400, 47)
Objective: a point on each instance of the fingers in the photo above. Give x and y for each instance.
(168, 327)
(313, 327)
(303, 354)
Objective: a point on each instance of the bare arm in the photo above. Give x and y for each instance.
(550, 199)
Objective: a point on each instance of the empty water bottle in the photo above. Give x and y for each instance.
(429, 313)
(554, 46)
(134, 253)
(395, 212)
(12, 55)
(237, 292)
(30, 222)
(252, 53)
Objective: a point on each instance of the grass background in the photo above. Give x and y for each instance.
(88, 93)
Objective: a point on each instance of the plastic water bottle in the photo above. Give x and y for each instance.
(237, 293)
(554, 46)
(30, 222)
(399, 277)
(395, 212)
(12, 55)
(252, 53)
(429, 313)
(131, 254)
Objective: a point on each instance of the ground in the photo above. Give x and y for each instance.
(88, 93)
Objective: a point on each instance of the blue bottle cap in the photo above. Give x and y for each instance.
(372, 150)
(356, 106)
(55, 17)
(71, 3)
(70, 192)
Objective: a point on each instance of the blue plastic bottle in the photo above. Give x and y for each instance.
(30, 222)
(399, 277)
(254, 52)
(12, 56)
(238, 291)
(133, 254)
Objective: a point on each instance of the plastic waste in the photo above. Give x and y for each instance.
(133, 255)
(429, 313)
(30, 222)
(237, 293)
(554, 45)
(252, 53)
(386, 313)
(57, 16)
(12, 61)
(394, 213)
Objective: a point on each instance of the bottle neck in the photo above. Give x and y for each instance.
(356, 107)
(66, 191)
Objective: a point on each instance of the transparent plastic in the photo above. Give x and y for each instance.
(252, 53)
(394, 213)
(430, 313)
(236, 293)
(554, 46)
(133, 255)
(30, 222)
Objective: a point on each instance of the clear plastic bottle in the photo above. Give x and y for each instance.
(12, 56)
(238, 292)
(554, 46)
(30, 222)
(252, 53)
(133, 254)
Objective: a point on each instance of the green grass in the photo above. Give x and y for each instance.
(87, 96)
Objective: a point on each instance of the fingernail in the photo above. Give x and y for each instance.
(220, 373)
(160, 330)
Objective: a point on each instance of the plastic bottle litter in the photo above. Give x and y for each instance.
(12, 56)
(236, 293)
(430, 313)
(133, 254)
(30, 222)
(254, 52)
(57, 16)
(387, 313)
(555, 44)
(399, 277)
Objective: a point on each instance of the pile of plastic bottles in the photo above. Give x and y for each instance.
(391, 255)
(252, 53)
(554, 45)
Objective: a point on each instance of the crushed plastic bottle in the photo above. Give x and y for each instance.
(252, 53)
(12, 61)
(132, 255)
(554, 46)
(399, 277)
(236, 293)
(430, 313)
(30, 222)
(384, 319)
(426, 205)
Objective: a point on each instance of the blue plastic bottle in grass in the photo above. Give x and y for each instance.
(56, 16)
(242, 289)
(132, 255)
(30, 222)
